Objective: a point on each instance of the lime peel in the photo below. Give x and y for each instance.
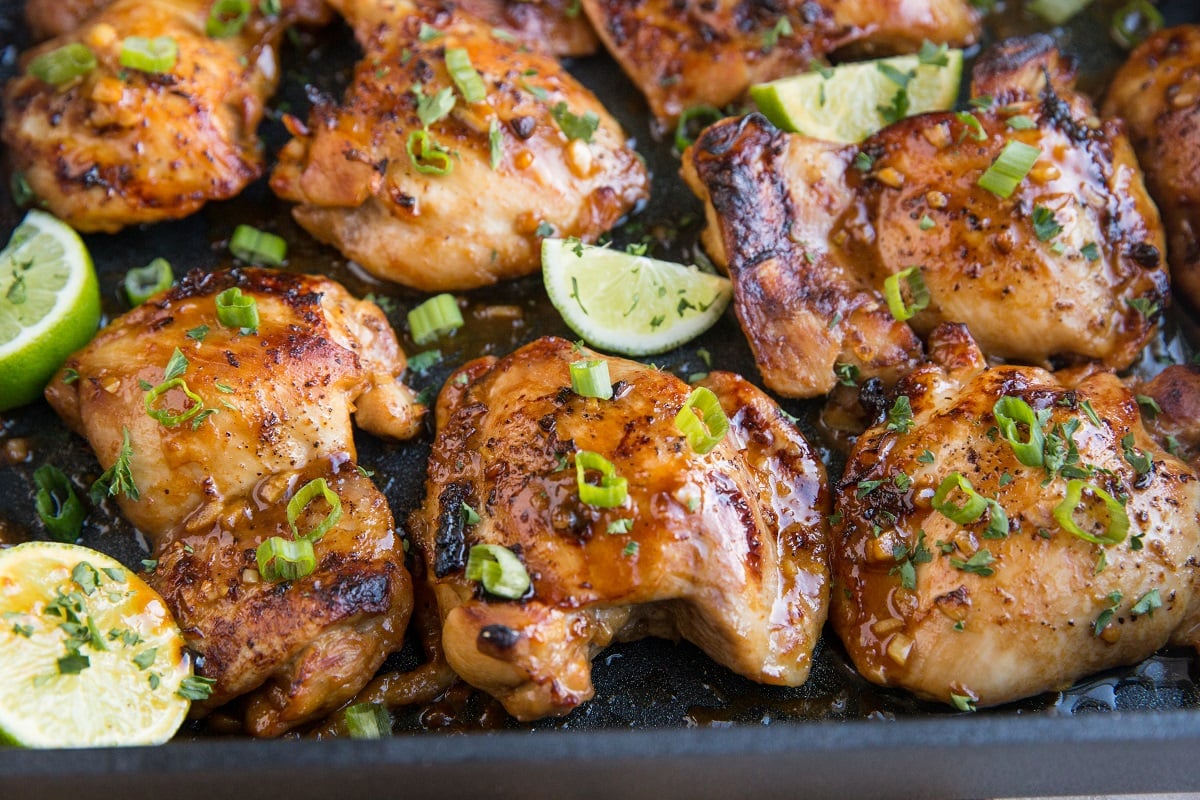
(627, 303)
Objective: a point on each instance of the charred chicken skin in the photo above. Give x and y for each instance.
(211, 487)
(725, 549)
(688, 53)
(1157, 94)
(120, 146)
(1067, 268)
(423, 188)
(988, 552)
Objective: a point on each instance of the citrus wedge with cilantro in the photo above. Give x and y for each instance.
(849, 102)
(630, 304)
(89, 654)
(49, 305)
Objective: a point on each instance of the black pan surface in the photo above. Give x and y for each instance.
(697, 730)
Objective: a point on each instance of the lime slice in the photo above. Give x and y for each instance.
(49, 305)
(89, 655)
(630, 304)
(843, 104)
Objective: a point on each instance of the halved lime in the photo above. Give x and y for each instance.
(849, 102)
(49, 305)
(89, 654)
(630, 304)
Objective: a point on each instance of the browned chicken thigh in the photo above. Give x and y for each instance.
(1067, 267)
(725, 549)
(422, 187)
(1157, 93)
(48, 18)
(120, 146)
(688, 53)
(208, 487)
(1013, 532)
(558, 27)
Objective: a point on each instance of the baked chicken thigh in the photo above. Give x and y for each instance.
(120, 146)
(1067, 266)
(726, 549)
(206, 464)
(688, 53)
(1157, 94)
(1014, 531)
(423, 187)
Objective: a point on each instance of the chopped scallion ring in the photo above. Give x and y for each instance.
(696, 119)
(282, 559)
(142, 283)
(969, 511)
(703, 432)
(1010, 412)
(227, 18)
(465, 76)
(436, 316)
(1134, 22)
(499, 570)
(149, 55)
(300, 501)
(63, 65)
(917, 291)
(57, 504)
(612, 490)
(258, 247)
(427, 156)
(166, 417)
(236, 310)
(367, 721)
(589, 378)
(1118, 518)
(1009, 169)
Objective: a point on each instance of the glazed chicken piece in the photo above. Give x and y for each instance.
(49, 18)
(557, 27)
(120, 146)
(463, 199)
(725, 549)
(1157, 93)
(686, 53)
(1065, 269)
(212, 488)
(985, 606)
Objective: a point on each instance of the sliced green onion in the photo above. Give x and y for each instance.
(142, 283)
(703, 432)
(367, 721)
(282, 559)
(1009, 168)
(500, 572)
(1056, 12)
(1134, 22)
(166, 417)
(1010, 412)
(1118, 518)
(969, 511)
(22, 192)
(149, 55)
(258, 247)
(916, 290)
(236, 310)
(300, 501)
(974, 126)
(435, 317)
(495, 144)
(227, 18)
(612, 490)
(57, 503)
(427, 156)
(589, 378)
(696, 118)
(463, 73)
(64, 64)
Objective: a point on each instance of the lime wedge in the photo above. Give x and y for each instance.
(630, 304)
(89, 655)
(849, 102)
(49, 305)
